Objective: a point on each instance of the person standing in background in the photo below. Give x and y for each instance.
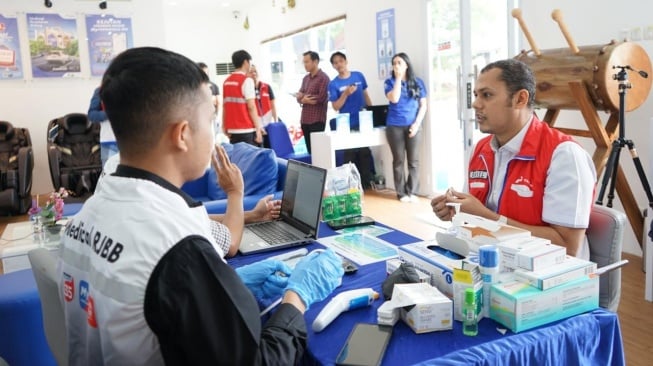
(348, 94)
(215, 90)
(313, 98)
(240, 120)
(96, 114)
(406, 110)
(267, 111)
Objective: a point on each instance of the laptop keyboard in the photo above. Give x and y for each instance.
(273, 233)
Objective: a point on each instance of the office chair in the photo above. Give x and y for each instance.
(605, 238)
(281, 144)
(16, 165)
(74, 155)
(44, 267)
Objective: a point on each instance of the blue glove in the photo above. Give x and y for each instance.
(316, 276)
(265, 279)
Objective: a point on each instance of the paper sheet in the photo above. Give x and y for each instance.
(360, 248)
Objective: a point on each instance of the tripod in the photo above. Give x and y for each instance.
(613, 161)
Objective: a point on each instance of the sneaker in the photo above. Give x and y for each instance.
(414, 198)
(405, 199)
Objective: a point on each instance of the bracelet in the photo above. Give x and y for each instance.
(502, 220)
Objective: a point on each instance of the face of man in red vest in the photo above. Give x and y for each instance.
(497, 112)
(253, 73)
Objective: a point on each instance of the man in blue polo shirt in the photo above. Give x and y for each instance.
(348, 94)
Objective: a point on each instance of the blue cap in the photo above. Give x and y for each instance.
(488, 256)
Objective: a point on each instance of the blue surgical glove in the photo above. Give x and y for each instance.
(316, 276)
(265, 279)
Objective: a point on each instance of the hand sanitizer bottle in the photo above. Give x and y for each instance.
(470, 318)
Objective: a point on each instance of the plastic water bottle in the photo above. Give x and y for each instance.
(488, 258)
(470, 318)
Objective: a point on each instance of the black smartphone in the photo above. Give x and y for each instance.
(365, 345)
(338, 224)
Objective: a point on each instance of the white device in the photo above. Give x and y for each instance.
(344, 301)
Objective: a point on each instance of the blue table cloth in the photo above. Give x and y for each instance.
(588, 339)
(22, 338)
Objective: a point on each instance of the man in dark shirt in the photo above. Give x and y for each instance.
(313, 97)
(142, 279)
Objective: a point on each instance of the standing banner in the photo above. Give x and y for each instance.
(11, 66)
(53, 46)
(385, 42)
(107, 37)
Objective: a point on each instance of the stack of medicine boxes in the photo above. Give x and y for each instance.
(539, 283)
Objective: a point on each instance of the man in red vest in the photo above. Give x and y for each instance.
(267, 111)
(525, 173)
(240, 119)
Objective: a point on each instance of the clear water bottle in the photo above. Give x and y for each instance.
(470, 318)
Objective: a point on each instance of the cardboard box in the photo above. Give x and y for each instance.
(532, 253)
(437, 262)
(463, 279)
(570, 269)
(432, 310)
(520, 306)
(483, 236)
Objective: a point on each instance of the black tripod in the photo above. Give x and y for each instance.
(613, 161)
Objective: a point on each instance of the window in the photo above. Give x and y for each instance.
(282, 66)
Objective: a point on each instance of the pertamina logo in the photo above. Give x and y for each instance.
(68, 287)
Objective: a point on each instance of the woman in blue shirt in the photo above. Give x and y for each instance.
(407, 96)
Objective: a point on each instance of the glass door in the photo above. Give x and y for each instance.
(465, 36)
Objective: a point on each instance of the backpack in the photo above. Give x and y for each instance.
(74, 154)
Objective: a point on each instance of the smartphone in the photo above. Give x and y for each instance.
(365, 345)
(338, 224)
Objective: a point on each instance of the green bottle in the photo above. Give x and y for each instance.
(470, 318)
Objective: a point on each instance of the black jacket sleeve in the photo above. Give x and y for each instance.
(203, 314)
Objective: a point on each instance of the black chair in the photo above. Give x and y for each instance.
(74, 155)
(16, 165)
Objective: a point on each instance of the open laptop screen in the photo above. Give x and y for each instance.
(302, 195)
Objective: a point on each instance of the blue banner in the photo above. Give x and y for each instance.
(11, 66)
(53, 46)
(107, 37)
(385, 42)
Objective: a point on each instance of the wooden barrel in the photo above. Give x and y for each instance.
(593, 65)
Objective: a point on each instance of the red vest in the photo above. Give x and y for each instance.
(263, 104)
(236, 116)
(523, 188)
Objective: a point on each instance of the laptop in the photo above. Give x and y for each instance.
(299, 219)
(379, 114)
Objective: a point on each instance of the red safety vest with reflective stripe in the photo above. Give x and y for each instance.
(523, 188)
(263, 104)
(236, 116)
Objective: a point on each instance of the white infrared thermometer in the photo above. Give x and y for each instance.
(344, 301)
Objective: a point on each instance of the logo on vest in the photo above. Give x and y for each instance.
(68, 287)
(522, 187)
(478, 174)
(83, 294)
(90, 312)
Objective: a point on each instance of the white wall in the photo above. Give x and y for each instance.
(32, 103)
(593, 22)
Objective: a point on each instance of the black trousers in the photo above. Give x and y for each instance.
(362, 158)
(307, 129)
(248, 137)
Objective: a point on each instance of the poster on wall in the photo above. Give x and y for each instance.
(11, 66)
(53, 46)
(385, 42)
(107, 37)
